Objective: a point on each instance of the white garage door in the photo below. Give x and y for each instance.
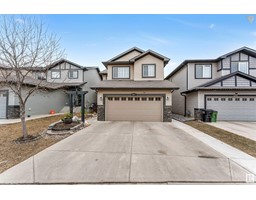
(139, 108)
(240, 108)
(3, 101)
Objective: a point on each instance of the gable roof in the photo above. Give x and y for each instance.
(206, 85)
(125, 53)
(132, 60)
(246, 50)
(68, 61)
(153, 53)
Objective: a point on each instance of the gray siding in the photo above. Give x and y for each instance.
(244, 57)
(178, 101)
(42, 102)
(226, 63)
(64, 74)
(193, 82)
(241, 82)
(92, 77)
(230, 82)
(252, 62)
(235, 57)
(216, 85)
(192, 102)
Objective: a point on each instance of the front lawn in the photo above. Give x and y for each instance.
(12, 153)
(244, 144)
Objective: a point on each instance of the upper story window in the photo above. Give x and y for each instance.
(121, 72)
(239, 66)
(55, 74)
(203, 71)
(148, 70)
(73, 74)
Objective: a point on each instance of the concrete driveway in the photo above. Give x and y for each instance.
(245, 129)
(127, 152)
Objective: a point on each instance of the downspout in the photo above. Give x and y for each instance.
(184, 95)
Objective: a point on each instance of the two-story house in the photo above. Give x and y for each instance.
(54, 82)
(134, 89)
(226, 84)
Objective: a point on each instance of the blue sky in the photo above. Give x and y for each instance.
(90, 39)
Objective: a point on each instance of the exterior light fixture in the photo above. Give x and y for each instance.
(167, 98)
(100, 98)
(133, 94)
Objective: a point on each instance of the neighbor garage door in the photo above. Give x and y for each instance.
(139, 108)
(3, 101)
(240, 108)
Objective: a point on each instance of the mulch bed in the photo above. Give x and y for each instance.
(62, 126)
(244, 144)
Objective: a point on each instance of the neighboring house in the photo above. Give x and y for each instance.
(54, 82)
(226, 84)
(134, 89)
(65, 71)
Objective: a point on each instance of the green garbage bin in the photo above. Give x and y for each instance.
(214, 116)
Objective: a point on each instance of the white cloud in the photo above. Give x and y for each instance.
(212, 26)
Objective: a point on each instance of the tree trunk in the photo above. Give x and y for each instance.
(23, 122)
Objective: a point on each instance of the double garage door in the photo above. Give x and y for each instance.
(237, 108)
(134, 108)
(3, 103)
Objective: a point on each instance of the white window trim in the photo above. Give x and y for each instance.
(118, 74)
(69, 74)
(239, 66)
(154, 71)
(203, 73)
(59, 71)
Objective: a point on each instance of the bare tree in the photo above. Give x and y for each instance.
(25, 45)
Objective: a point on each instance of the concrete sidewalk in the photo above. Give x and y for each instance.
(135, 152)
(245, 129)
(14, 121)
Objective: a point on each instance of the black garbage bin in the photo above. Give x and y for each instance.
(208, 115)
(199, 113)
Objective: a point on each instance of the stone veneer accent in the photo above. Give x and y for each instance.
(101, 113)
(13, 112)
(167, 114)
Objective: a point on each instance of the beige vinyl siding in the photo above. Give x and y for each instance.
(192, 102)
(178, 101)
(110, 69)
(129, 56)
(149, 59)
(138, 92)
